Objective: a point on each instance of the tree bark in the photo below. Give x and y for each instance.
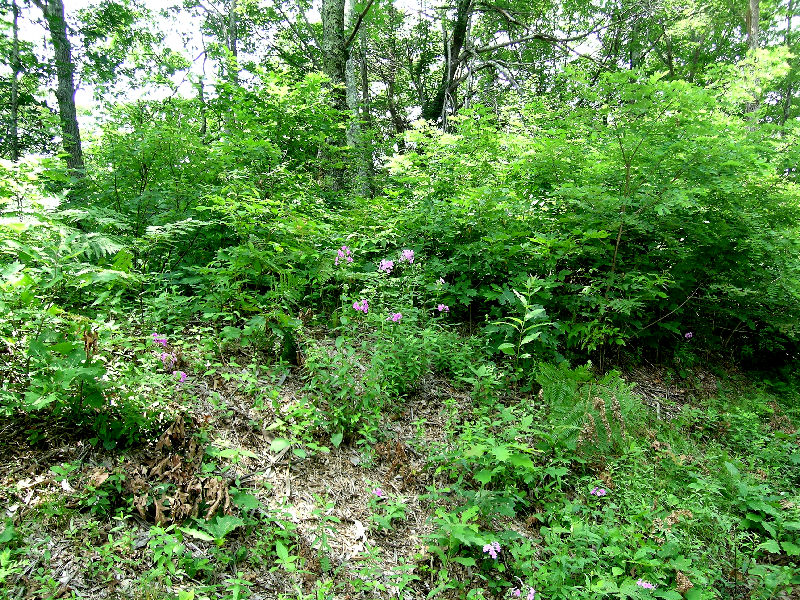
(15, 71)
(787, 40)
(53, 11)
(356, 76)
(334, 65)
(434, 109)
(753, 18)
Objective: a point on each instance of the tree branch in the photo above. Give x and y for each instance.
(535, 36)
(358, 24)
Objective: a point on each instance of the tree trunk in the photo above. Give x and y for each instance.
(232, 65)
(356, 136)
(787, 40)
(53, 11)
(753, 18)
(15, 71)
(435, 108)
(334, 65)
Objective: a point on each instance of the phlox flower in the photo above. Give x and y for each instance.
(516, 592)
(531, 594)
(167, 359)
(362, 306)
(599, 492)
(343, 254)
(688, 335)
(160, 339)
(443, 308)
(379, 492)
(642, 583)
(386, 266)
(492, 549)
(394, 317)
(407, 256)
(183, 376)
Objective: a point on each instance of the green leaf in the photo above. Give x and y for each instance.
(521, 460)
(506, 348)
(281, 550)
(279, 444)
(501, 453)
(197, 534)
(8, 532)
(484, 476)
(771, 546)
(336, 439)
(246, 501)
(790, 548)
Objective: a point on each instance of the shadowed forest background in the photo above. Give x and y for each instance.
(415, 299)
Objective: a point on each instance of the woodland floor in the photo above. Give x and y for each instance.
(72, 552)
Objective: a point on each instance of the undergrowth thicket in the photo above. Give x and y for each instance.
(175, 292)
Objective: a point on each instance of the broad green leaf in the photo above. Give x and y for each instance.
(197, 534)
(279, 444)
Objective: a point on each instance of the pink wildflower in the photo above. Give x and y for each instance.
(160, 339)
(531, 594)
(645, 584)
(599, 492)
(689, 335)
(516, 592)
(443, 308)
(386, 266)
(181, 374)
(492, 549)
(362, 306)
(379, 492)
(343, 254)
(394, 317)
(407, 255)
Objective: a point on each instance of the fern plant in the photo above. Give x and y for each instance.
(587, 414)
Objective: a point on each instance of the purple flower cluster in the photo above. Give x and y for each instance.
(167, 359)
(516, 592)
(407, 256)
(394, 317)
(443, 308)
(492, 549)
(160, 339)
(183, 376)
(343, 254)
(599, 492)
(379, 492)
(645, 584)
(386, 266)
(688, 335)
(362, 306)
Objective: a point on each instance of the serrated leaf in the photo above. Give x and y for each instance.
(771, 546)
(501, 453)
(246, 501)
(790, 548)
(484, 476)
(521, 460)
